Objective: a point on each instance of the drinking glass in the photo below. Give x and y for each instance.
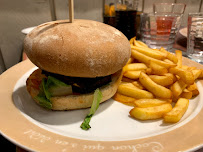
(159, 30)
(126, 12)
(109, 14)
(195, 37)
(175, 8)
(121, 14)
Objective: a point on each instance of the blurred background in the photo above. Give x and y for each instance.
(20, 14)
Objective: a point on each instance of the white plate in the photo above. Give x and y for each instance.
(27, 30)
(35, 128)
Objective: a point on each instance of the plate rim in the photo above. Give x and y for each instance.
(45, 139)
(27, 30)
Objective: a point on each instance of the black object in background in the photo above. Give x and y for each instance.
(6, 145)
(126, 22)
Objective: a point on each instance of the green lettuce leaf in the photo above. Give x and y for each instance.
(44, 102)
(47, 88)
(95, 105)
(51, 81)
(56, 87)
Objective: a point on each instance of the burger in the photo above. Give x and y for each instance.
(74, 60)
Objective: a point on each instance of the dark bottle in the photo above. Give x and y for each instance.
(109, 12)
(110, 20)
(126, 22)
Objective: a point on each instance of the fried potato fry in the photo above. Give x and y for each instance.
(137, 44)
(163, 50)
(186, 94)
(132, 40)
(150, 113)
(138, 84)
(193, 88)
(124, 99)
(157, 69)
(162, 80)
(124, 79)
(132, 74)
(134, 67)
(172, 57)
(148, 52)
(130, 60)
(171, 76)
(132, 91)
(196, 73)
(195, 92)
(168, 61)
(143, 103)
(177, 88)
(177, 112)
(148, 71)
(186, 76)
(179, 56)
(188, 68)
(158, 90)
(169, 55)
(146, 59)
(142, 44)
(201, 75)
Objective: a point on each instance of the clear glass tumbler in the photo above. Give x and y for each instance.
(159, 30)
(176, 8)
(195, 37)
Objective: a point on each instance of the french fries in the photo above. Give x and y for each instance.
(201, 75)
(144, 103)
(133, 91)
(132, 74)
(154, 80)
(185, 75)
(177, 88)
(193, 88)
(124, 79)
(132, 40)
(169, 56)
(179, 56)
(142, 44)
(134, 67)
(124, 99)
(158, 90)
(186, 94)
(196, 73)
(147, 59)
(136, 43)
(164, 80)
(150, 113)
(157, 69)
(137, 84)
(130, 60)
(178, 111)
(149, 52)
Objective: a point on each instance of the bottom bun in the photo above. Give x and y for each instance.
(72, 102)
